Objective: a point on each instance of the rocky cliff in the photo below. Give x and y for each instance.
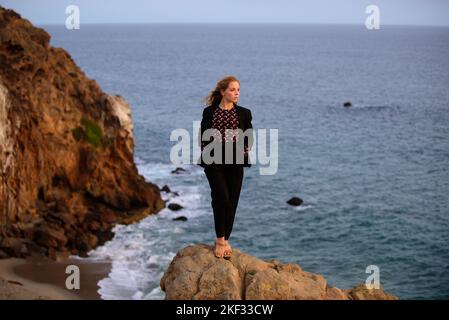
(196, 274)
(67, 173)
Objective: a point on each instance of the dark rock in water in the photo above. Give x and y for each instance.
(166, 189)
(295, 201)
(175, 206)
(178, 170)
(347, 104)
(180, 218)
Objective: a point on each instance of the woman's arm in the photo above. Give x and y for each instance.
(202, 129)
(249, 126)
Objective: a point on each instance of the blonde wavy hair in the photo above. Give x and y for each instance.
(214, 97)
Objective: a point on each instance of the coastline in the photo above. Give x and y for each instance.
(44, 279)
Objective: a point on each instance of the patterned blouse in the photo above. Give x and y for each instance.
(223, 119)
(226, 119)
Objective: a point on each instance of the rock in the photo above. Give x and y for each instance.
(196, 274)
(35, 250)
(12, 246)
(86, 242)
(178, 170)
(180, 218)
(65, 218)
(15, 282)
(295, 201)
(121, 109)
(347, 104)
(333, 293)
(175, 206)
(3, 254)
(165, 188)
(47, 236)
(66, 147)
(361, 292)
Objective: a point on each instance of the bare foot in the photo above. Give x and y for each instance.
(228, 250)
(220, 248)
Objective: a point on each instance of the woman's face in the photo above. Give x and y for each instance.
(232, 92)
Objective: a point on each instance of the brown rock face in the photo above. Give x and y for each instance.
(67, 173)
(196, 274)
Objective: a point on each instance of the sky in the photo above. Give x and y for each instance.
(392, 12)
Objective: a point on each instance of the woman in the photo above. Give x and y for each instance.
(225, 178)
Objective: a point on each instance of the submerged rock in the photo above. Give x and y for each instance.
(175, 206)
(180, 218)
(178, 170)
(196, 274)
(165, 188)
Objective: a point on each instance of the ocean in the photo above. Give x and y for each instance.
(374, 177)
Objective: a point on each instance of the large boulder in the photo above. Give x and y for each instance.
(196, 274)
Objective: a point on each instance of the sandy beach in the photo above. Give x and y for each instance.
(37, 279)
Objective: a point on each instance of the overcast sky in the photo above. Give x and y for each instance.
(402, 12)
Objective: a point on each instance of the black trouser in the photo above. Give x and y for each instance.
(225, 183)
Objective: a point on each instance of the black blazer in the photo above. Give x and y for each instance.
(245, 117)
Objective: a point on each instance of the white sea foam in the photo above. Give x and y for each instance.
(303, 207)
(140, 252)
(131, 273)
